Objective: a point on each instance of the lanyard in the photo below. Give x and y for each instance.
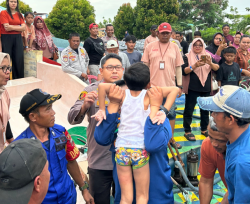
(165, 50)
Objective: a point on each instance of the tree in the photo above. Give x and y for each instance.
(208, 11)
(124, 21)
(150, 12)
(69, 16)
(104, 22)
(234, 17)
(243, 25)
(22, 7)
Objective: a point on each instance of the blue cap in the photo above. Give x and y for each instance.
(230, 99)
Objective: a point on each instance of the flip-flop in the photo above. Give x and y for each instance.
(178, 145)
(205, 133)
(187, 136)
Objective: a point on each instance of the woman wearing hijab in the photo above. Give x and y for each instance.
(196, 81)
(216, 47)
(43, 40)
(5, 131)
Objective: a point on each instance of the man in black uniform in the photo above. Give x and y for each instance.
(95, 49)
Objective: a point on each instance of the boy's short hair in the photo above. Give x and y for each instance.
(230, 49)
(197, 33)
(178, 32)
(137, 76)
(129, 38)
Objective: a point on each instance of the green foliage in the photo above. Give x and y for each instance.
(208, 33)
(208, 11)
(243, 25)
(22, 7)
(104, 23)
(70, 16)
(124, 21)
(150, 12)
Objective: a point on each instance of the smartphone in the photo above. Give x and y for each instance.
(204, 58)
(222, 41)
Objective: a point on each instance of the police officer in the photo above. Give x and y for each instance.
(75, 59)
(99, 157)
(36, 108)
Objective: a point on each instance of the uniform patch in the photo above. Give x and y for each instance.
(83, 53)
(106, 103)
(83, 95)
(65, 58)
(155, 50)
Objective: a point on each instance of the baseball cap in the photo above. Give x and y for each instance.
(165, 27)
(153, 27)
(231, 99)
(34, 99)
(20, 163)
(112, 44)
(93, 25)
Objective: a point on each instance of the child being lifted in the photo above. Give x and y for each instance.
(130, 148)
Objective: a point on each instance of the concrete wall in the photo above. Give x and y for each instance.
(55, 81)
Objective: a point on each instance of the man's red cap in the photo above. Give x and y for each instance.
(164, 27)
(93, 25)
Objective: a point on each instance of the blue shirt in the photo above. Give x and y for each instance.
(156, 140)
(61, 187)
(134, 57)
(237, 169)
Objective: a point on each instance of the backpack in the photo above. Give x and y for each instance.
(98, 48)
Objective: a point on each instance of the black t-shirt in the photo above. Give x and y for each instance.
(94, 57)
(229, 74)
(195, 84)
(184, 45)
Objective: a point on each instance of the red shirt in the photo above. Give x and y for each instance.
(6, 18)
(210, 161)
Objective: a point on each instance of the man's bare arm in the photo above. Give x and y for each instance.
(205, 190)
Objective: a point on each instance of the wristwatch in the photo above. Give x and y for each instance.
(181, 87)
(26, 47)
(86, 186)
(164, 109)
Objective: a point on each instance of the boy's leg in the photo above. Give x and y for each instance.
(141, 177)
(125, 177)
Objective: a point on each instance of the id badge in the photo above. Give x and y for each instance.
(162, 64)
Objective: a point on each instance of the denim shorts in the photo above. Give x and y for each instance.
(172, 113)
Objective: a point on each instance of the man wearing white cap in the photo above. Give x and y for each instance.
(113, 47)
(231, 113)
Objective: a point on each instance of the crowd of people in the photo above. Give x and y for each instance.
(129, 101)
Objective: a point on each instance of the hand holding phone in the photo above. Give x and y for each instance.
(204, 58)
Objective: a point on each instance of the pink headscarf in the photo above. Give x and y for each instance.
(202, 71)
(43, 36)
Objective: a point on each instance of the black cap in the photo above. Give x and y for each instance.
(154, 27)
(34, 99)
(20, 163)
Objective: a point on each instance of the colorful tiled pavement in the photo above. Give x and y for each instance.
(186, 146)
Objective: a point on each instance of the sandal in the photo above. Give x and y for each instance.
(190, 137)
(178, 145)
(205, 133)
